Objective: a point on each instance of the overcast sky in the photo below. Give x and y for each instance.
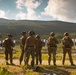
(64, 10)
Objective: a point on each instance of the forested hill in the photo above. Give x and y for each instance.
(40, 27)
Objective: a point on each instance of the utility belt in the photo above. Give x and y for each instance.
(67, 47)
(53, 46)
(30, 47)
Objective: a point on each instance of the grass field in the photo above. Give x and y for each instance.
(43, 69)
(27, 70)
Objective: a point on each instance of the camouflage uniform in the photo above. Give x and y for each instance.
(22, 44)
(38, 50)
(67, 48)
(30, 48)
(8, 44)
(52, 47)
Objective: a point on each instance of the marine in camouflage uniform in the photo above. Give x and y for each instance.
(8, 44)
(52, 47)
(30, 48)
(38, 50)
(22, 44)
(67, 48)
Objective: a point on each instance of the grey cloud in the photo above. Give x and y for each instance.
(64, 10)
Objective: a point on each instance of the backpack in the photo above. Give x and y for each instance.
(8, 43)
(4, 43)
(51, 41)
(67, 42)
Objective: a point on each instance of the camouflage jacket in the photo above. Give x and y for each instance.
(22, 41)
(52, 41)
(8, 43)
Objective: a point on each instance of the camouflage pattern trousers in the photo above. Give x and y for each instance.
(22, 55)
(8, 51)
(67, 50)
(30, 51)
(52, 50)
(38, 56)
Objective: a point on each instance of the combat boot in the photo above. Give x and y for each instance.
(48, 62)
(72, 64)
(12, 63)
(55, 65)
(7, 63)
(20, 63)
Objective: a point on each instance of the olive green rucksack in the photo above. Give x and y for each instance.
(4, 44)
(67, 42)
(51, 41)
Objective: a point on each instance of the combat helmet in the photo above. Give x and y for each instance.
(66, 34)
(23, 33)
(9, 35)
(52, 33)
(31, 32)
(37, 36)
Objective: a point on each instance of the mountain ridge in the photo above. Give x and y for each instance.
(40, 27)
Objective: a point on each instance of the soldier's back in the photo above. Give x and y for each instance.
(31, 40)
(39, 42)
(67, 41)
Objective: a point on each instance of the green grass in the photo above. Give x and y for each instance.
(4, 71)
(44, 53)
(28, 70)
(59, 70)
(43, 68)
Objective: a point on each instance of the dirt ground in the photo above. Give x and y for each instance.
(59, 69)
(44, 62)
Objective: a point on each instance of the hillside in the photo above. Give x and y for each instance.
(40, 27)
